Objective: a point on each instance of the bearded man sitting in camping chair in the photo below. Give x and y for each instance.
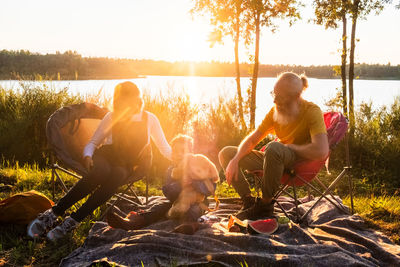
(300, 128)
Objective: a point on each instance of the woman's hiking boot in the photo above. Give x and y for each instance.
(44, 222)
(259, 210)
(61, 230)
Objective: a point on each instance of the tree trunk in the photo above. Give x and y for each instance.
(343, 68)
(237, 67)
(351, 67)
(255, 74)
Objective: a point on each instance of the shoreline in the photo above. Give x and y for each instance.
(197, 76)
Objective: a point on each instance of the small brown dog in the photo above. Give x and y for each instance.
(193, 167)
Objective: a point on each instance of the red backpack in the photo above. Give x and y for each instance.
(336, 126)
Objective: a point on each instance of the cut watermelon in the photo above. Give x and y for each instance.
(233, 220)
(267, 227)
(236, 225)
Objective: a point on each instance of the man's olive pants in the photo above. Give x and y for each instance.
(274, 160)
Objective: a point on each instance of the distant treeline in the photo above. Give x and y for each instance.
(72, 66)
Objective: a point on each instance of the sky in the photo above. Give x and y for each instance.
(164, 30)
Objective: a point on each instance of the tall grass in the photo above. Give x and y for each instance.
(16, 249)
(380, 212)
(23, 117)
(375, 149)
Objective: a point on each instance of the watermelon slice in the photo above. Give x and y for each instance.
(267, 227)
(236, 225)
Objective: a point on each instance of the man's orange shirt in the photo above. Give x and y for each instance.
(310, 122)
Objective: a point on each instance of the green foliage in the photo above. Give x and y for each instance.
(217, 126)
(175, 112)
(13, 66)
(329, 12)
(380, 212)
(271, 10)
(23, 117)
(68, 66)
(362, 8)
(374, 150)
(377, 141)
(16, 248)
(226, 17)
(30, 177)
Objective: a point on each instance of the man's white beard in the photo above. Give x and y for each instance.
(286, 117)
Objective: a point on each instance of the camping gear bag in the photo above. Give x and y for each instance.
(23, 207)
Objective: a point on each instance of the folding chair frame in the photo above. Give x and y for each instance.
(327, 190)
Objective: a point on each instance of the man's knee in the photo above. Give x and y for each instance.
(226, 154)
(274, 150)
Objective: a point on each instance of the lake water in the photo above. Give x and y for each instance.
(208, 89)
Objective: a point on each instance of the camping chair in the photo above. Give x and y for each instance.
(305, 171)
(68, 130)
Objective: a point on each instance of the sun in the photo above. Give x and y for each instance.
(194, 46)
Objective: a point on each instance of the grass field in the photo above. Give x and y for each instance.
(16, 249)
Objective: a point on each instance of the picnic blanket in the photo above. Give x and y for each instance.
(327, 238)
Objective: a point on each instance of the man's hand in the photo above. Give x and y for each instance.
(232, 170)
(88, 162)
(245, 147)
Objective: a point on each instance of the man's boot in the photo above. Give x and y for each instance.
(247, 202)
(260, 210)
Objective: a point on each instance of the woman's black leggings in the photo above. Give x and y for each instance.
(103, 180)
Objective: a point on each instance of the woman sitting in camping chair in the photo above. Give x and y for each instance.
(124, 151)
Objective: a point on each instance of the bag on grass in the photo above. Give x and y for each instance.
(23, 207)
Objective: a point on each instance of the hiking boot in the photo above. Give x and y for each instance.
(60, 231)
(133, 221)
(188, 228)
(44, 222)
(259, 210)
(247, 202)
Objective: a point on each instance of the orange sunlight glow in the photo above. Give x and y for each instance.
(190, 41)
(193, 46)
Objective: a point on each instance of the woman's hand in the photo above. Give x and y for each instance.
(232, 171)
(88, 162)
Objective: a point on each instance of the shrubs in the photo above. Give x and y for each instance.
(377, 146)
(374, 150)
(216, 126)
(23, 117)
